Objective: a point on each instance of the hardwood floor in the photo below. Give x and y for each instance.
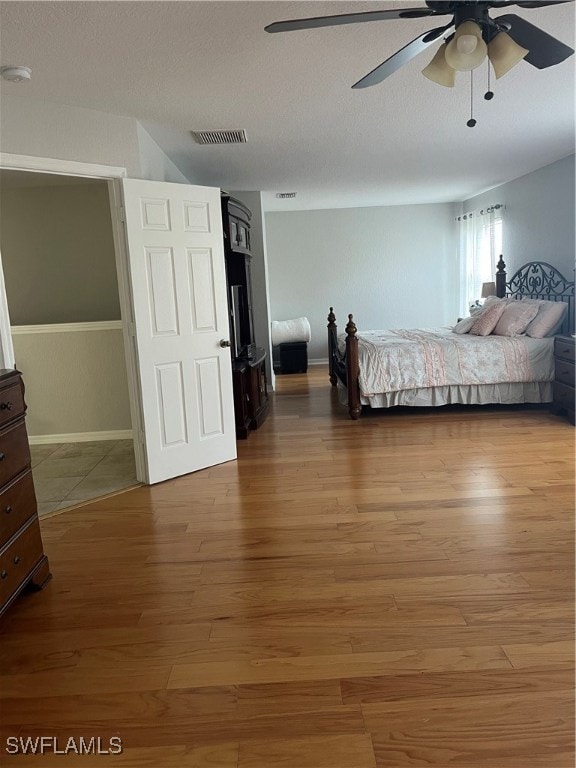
(396, 591)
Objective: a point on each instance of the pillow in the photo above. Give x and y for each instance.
(548, 320)
(493, 300)
(464, 325)
(516, 317)
(485, 323)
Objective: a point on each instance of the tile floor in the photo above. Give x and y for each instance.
(71, 473)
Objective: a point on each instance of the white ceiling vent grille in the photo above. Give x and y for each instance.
(285, 195)
(220, 137)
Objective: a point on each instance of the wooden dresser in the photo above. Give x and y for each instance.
(564, 372)
(22, 559)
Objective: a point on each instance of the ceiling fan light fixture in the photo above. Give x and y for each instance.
(439, 71)
(467, 50)
(504, 53)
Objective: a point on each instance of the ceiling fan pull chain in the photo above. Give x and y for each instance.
(489, 94)
(471, 123)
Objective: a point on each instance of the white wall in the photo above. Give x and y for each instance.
(44, 129)
(392, 267)
(154, 164)
(539, 217)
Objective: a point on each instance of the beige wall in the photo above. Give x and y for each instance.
(75, 381)
(58, 254)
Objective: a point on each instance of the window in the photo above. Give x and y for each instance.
(480, 249)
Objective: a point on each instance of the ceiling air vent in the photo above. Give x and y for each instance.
(220, 137)
(285, 195)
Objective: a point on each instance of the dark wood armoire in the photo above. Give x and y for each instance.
(251, 401)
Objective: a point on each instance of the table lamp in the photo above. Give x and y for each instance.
(488, 289)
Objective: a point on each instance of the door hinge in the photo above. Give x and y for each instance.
(122, 213)
(141, 436)
(132, 329)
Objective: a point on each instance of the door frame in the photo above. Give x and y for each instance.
(113, 175)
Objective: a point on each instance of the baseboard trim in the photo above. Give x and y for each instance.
(100, 325)
(318, 361)
(81, 437)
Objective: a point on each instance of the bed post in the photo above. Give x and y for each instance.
(501, 278)
(332, 340)
(352, 370)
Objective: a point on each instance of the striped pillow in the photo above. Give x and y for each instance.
(485, 324)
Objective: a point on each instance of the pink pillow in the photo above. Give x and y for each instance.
(548, 320)
(485, 324)
(516, 317)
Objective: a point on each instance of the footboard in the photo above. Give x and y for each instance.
(345, 367)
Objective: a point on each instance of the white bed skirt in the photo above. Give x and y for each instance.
(476, 394)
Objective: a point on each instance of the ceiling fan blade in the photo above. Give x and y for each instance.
(528, 3)
(401, 57)
(544, 50)
(349, 18)
(541, 3)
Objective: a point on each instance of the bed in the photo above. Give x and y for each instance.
(435, 366)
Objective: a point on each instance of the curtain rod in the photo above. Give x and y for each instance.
(482, 212)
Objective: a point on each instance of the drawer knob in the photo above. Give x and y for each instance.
(8, 509)
(16, 559)
(4, 574)
(2, 456)
(6, 406)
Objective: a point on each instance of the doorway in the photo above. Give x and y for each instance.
(59, 267)
(169, 253)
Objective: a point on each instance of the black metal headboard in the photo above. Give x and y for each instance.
(538, 280)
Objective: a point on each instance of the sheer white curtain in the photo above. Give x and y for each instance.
(479, 249)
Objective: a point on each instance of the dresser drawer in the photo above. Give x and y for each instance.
(564, 349)
(11, 403)
(564, 396)
(14, 452)
(18, 559)
(565, 372)
(17, 504)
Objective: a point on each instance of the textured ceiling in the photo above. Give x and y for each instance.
(181, 66)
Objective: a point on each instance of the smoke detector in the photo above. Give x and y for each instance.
(285, 195)
(16, 74)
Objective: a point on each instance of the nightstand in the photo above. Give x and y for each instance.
(564, 366)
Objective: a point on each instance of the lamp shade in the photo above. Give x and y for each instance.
(439, 71)
(467, 49)
(504, 53)
(488, 289)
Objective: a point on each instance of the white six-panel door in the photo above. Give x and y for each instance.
(177, 273)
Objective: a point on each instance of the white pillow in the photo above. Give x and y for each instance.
(464, 325)
(548, 320)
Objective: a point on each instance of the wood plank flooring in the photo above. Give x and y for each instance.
(396, 591)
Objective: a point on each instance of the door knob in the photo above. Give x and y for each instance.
(224, 343)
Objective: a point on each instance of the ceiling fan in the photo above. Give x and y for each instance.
(505, 40)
